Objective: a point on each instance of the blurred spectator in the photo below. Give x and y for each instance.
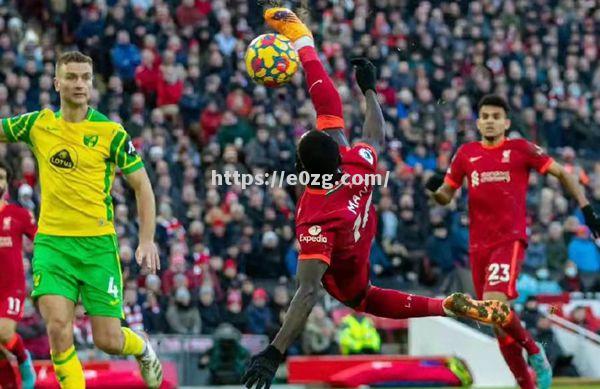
(126, 57)
(318, 337)
(571, 282)
(82, 329)
(154, 316)
(209, 310)
(530, 314)
(584, 253)
(182, 316)
(133, 311)
(439, 254)
(260, 318)
(233, 311)
(556, 250)
(535, 255)
(582, 316)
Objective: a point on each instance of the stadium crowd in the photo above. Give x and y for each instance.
(173, 73)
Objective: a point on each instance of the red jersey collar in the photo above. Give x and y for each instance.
(493, 147)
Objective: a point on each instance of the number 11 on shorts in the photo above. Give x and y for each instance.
(112, 288)
(14, 305)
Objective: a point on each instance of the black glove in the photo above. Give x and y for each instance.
(366, 73)
(262, 368)
(434, 182)
(592, 221)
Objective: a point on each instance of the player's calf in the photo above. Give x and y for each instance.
(111, 342)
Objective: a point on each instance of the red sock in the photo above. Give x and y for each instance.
(516, 330)
(324, 96)
(394, 304)
(17, 348)
(513, 355)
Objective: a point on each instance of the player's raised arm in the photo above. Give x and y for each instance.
(263, 366)
(373, 127)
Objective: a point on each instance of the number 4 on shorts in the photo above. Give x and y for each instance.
(112, 288)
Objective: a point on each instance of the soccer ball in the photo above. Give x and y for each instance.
(271, 60)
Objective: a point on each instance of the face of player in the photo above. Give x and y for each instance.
(492, 123)
(3, 182)
(74, 83)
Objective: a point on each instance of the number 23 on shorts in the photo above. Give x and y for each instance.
(498, 272)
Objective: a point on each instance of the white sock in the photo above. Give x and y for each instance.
(303, 42)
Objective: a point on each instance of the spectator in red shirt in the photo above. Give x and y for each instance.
(187, 14)
(147, 74)
(210, 121)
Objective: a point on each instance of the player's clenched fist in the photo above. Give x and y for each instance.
(366, 73)
(147, 256)
(262, 368)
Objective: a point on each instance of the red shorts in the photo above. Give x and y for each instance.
(496, 269)
(348, 285)
(12, 304)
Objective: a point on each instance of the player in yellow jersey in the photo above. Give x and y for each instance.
(75, 250)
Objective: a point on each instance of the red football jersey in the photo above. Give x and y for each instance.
(15, 222)
(497, 179)
(338, 225)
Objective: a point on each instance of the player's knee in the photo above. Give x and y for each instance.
(6, 334)
(60, 331)
(108, 340)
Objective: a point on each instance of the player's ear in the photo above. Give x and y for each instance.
(506, 123)
(56, 84)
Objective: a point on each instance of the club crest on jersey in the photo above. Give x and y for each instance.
(314, 230)
(90, 140)
(6, 223)
(506, 156)
(366, 154)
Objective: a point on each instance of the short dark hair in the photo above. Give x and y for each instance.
(73, 56)
(494, 100)
(6, 167)
(318, 153)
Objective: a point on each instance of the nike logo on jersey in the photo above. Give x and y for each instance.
(314, 84)
(474, 159)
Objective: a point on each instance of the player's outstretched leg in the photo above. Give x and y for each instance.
(323, 94)
(393, 304)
